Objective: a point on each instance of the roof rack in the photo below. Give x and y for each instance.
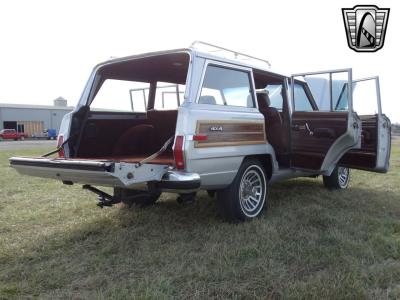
(236, 54)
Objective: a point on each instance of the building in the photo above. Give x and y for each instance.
(33, 119)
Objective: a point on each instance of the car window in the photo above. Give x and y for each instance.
(224, 86)
(301, 100)
(275, 95)
(121, 96)
(340, 93)
(168, 96)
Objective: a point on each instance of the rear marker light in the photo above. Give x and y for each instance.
(200, 138)
(178, 153)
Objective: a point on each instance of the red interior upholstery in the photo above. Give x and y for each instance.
(164, 123)
(138, 139)
(126, 137)
(273, 123)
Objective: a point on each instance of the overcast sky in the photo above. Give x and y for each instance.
(48, 48)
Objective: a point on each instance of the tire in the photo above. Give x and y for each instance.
(245, 198)
(338, 180)
(141, 198)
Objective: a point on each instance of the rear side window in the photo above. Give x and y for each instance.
(224, 86)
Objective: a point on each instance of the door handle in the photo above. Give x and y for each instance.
(303, 127)
(310, 132)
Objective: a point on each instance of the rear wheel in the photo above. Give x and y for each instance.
(245, 197)
(339, 179)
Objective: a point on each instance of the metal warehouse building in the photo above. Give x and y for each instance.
(33, 119)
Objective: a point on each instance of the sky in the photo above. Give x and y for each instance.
(48, 48)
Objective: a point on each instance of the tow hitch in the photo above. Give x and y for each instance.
(104, 198)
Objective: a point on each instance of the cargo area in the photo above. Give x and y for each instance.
(128, 139)
(132, 110)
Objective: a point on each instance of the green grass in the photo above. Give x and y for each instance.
(311, 243)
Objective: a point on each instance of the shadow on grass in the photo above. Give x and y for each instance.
(171, 250)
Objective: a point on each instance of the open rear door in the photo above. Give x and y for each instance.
(320, 132)
(374, 153)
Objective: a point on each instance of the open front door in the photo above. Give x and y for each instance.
(320, 132)
(374, 153)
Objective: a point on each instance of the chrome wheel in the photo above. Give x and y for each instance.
(252, 191)
(343, 177)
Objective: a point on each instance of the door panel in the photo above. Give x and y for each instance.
(310, 146)
(374, 153)
(321, 136)
(368, 157)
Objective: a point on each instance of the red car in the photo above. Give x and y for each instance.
(12, 134)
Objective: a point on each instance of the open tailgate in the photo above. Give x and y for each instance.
(95, 172)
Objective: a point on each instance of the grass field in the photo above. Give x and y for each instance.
(311, 243)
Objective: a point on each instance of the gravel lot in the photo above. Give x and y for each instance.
(27, 144)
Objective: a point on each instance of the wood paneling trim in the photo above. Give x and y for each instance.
(230, 133)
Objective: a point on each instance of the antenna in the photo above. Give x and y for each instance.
(236, 54)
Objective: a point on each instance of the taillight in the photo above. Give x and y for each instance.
(178, 152)
(199, 137)
(60, 141)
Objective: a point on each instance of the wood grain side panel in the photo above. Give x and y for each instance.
(230, 133)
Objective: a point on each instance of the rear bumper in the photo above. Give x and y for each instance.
(176, 181)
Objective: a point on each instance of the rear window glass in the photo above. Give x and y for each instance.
(121, 96)
(131, 96)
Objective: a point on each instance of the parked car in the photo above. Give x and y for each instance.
(187, 120)
(51, 134)
(48, 134)
(12, 134)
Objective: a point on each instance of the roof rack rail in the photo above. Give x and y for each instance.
(236, 54)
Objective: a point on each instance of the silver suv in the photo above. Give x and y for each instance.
(213, 119)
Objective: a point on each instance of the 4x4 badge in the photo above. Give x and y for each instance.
(365, 27)
(216, 128)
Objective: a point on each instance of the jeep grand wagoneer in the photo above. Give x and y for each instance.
(189, 119)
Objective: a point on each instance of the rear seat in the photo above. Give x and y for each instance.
(149, 137)
(164, 123)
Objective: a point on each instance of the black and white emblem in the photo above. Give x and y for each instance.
(365, 27)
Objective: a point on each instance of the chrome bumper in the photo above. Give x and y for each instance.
(176, 181)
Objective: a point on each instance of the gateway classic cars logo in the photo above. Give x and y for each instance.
(365, 27)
